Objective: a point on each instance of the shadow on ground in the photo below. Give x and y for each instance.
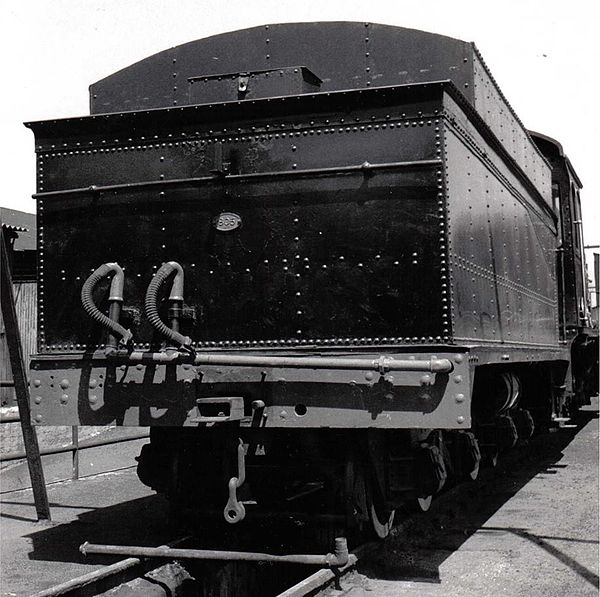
(426, 540)
(137, 522)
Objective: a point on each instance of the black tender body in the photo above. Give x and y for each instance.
(331, 250)
(333, 244)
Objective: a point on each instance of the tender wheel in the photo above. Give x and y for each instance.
(382, 519)
(474, 473)
(490, 456)
(381, 528)
(467, 456)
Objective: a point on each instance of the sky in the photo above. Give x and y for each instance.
(541, 53)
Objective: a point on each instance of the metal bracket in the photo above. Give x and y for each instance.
(234, 511)
(219, 410)
(243, 83)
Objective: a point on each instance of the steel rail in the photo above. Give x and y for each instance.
(85, 580)
(10, 417)
(90, 578)
(365, 167)
(323, 577)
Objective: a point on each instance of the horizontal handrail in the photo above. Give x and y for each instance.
(10, 418)
(84, 445)
(382, 363)
(365, 167)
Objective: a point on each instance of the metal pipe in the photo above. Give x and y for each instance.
(339, 558)
(238, 177)
(111, 323)
(381, 364)
(311, 584)
(82, 446)
(91, 577)
(10, 418)
(175, 299)
(75, 456)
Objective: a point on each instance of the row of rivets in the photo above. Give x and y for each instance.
(443, 216)
(490, 275)
(40, 273)
(490, 165)
(212, 107)
(207, 138)
(281, 342)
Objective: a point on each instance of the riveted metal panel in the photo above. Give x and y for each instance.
(344, 55)
(502, 246)
(566, 187)
(396, 55)
(90, 391)
(314, 259)
(336, 213)
(284, 151)
(494, 108)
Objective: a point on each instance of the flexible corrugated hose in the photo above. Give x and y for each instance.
(176, 294)
(116, 291)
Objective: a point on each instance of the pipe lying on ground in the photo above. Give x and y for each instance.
(340, 557)
(97, 575)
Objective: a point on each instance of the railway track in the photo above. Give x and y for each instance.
(127, 570)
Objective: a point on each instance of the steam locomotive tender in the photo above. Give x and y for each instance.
(324, 262)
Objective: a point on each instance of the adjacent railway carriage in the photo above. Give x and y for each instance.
(319, 260)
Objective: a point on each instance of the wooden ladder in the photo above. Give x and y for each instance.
(15, 350)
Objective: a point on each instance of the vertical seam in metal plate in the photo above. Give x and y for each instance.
(445, 237)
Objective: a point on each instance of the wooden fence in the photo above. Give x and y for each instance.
(26, 306)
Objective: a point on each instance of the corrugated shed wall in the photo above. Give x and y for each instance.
(26, 306)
